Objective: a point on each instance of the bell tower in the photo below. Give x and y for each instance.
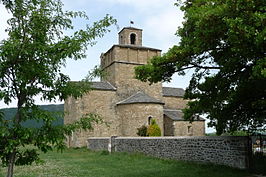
(120, 60)
(130, 36)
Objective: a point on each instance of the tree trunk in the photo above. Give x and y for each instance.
(17, 120)
(11, 164)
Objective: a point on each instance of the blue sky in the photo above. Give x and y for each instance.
(159, 20)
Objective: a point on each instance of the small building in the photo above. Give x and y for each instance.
(126, 103)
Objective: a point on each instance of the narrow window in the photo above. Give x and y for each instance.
(149, 120)
(133, 39)
(121, 39)
(189, 129)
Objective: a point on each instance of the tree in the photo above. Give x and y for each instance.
(154, 129)
(223, 42)
(30, 64)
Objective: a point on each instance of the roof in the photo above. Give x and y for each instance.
(138, 47)
(173, 114)
(177, 115)
(175, 92)
(102, 86)
(132, 28)
(140, 97)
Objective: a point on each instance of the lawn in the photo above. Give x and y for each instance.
(81, 162)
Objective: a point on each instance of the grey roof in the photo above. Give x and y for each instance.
(177, 115)
(171, 91)
(135, 47)
(173, 114)
(140, 97)
(102, 86)
(139, 47)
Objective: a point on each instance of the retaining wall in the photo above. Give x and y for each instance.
(230, 151)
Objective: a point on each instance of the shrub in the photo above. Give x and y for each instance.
(154, 129)
(142, 131)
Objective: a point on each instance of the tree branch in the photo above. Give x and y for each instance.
(197, 66)
(205, 67)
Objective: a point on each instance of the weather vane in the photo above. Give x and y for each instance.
(131, 23)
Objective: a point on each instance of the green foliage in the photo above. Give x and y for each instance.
(142, 131)
(236, 133)
(224, 43)
(153, 129)
(31, 59)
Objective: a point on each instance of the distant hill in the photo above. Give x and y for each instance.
(9, 113)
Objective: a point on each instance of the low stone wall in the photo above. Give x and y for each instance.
(230, 151)
(99, 143)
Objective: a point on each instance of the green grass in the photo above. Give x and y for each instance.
(258, 162)
(81, 162)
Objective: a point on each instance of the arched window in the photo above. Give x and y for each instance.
(149, 120)
(133, 39)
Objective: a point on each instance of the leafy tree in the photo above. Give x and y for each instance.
(223, 42)
(30, 65)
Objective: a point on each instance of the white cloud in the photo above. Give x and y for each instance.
(164, 26)
(133, 3)
(3, 23)
(143, 4)
(159, 20)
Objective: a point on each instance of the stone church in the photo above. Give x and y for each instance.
(126, 103)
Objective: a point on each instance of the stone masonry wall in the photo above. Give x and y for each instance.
(174, 102)
(185, 128)
(124, 36)
(119, 64)
(121, 74)
(99, 143)
(93, 102)
(127, 85)
(130, 55)
(134, 55)
(133, 116)
(110, 75)
(230, 151)
(168, 126)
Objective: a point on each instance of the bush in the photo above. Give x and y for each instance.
(154, 129)
(142, 131)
